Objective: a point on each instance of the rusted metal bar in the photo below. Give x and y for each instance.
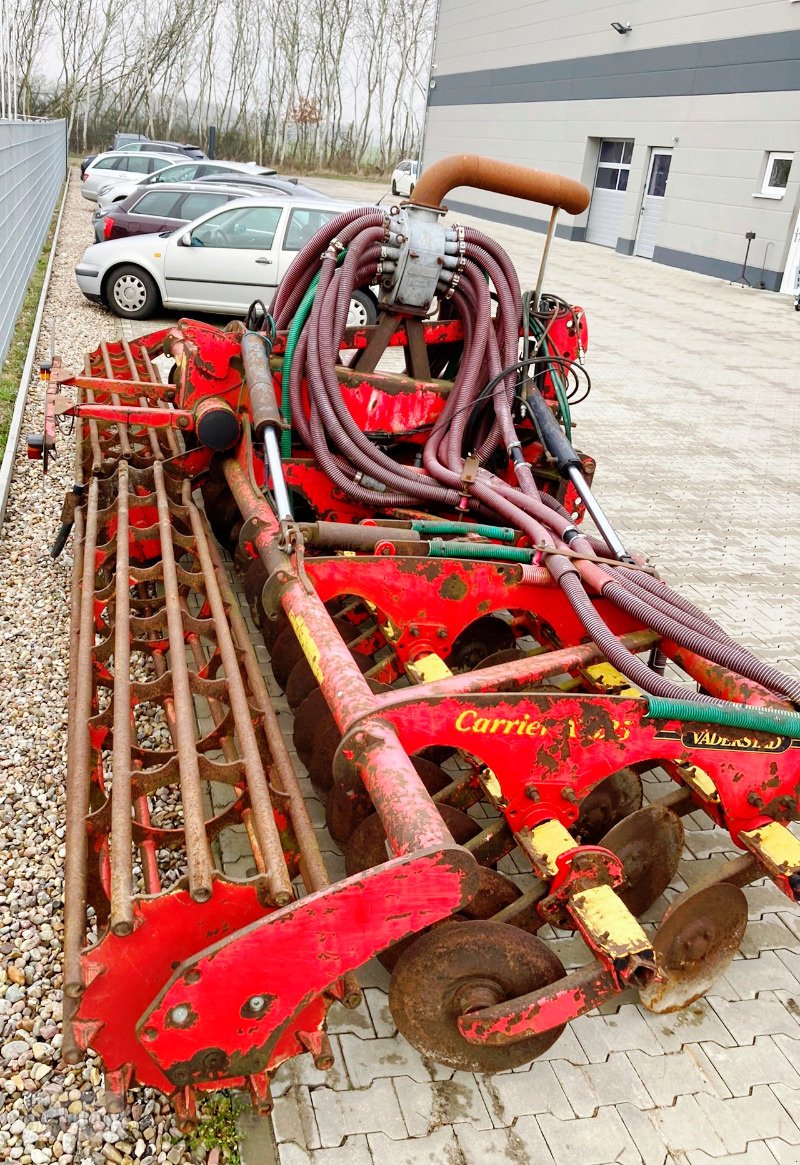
(266, 830)
(121, 819)
(200, 864)
(500, 178)
(94, 436)
(122, 431)
(79, 750)
(411, 822)
(283, 775)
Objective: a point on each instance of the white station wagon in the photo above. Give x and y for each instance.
(221, 262)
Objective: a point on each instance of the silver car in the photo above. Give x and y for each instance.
(108, 168)
(184, 171)
(219, 263)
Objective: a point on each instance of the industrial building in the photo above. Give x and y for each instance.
(682, 118)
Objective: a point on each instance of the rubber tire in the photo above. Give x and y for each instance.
(368, 304)
(394, 188)
(152, 298)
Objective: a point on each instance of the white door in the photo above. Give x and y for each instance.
(790, 284)
(608, 196)
(232, 260)
(652, 207)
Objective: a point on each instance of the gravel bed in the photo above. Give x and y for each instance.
(49, 1111)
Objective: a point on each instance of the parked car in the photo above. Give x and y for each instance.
(122, 139)
(404, 177)
(151, 210)
(108, 168)
(219, 263)
(181, 172)
(291, 187)
(137, 142)
(185, 148)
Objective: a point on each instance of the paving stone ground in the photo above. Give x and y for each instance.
(694, 419)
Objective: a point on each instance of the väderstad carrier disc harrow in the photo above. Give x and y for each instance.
(447, 636)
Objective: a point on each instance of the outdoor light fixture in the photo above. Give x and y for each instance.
(621, 28)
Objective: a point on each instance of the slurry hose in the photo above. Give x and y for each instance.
(476, 420)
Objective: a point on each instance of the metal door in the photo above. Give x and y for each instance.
(652, 207)
(608, 196)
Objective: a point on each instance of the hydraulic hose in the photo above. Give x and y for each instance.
(477, 420)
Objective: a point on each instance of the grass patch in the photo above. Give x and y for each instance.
(15, 359)
(217, 1128)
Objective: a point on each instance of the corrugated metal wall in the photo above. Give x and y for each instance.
(33, 164)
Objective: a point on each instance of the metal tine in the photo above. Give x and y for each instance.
(266, 830)
(227, 744)
(94, 437)
(79, 751)
(200, 864)
(155, 375)
(147, 847)
(282, 775)
(122, 430)
(152, 436)
(121, 819)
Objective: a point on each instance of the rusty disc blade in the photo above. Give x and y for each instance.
(306, 722)
(286, 652)
(368, 847)
(608, 803)
(495, 892)
(700, 934)
(649, 844)
(485, 637)
(463, 966)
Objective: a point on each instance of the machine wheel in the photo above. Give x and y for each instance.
(649, 843)
(465, 966)
(394, 187)
(131, 293)
(363, 310)
(284, 654)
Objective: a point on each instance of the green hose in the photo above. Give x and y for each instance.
(501, 533)
(775, 720)
(292, 337)
(556, 376)
(477, 550)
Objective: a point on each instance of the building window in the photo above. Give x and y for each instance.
(776, 175)
(613, 165)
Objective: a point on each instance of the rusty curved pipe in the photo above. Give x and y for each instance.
(500, 178)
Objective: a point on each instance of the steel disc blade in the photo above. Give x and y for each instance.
(367, 846)
(700, 934)
(649, 843)
(306, 722)
(485, 637)
(286, 652)
(608, 803)
(436, 977)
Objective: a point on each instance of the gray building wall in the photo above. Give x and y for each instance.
(544, 83)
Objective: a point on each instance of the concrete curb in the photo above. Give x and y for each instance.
(7, 467)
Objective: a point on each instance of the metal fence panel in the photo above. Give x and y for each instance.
(33, 164)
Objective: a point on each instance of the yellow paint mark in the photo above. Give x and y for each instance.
(605, 918)
(310, 649)
(545, 842)
(608, 677)
(699, 781)
(428, 668)
(776, 846)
